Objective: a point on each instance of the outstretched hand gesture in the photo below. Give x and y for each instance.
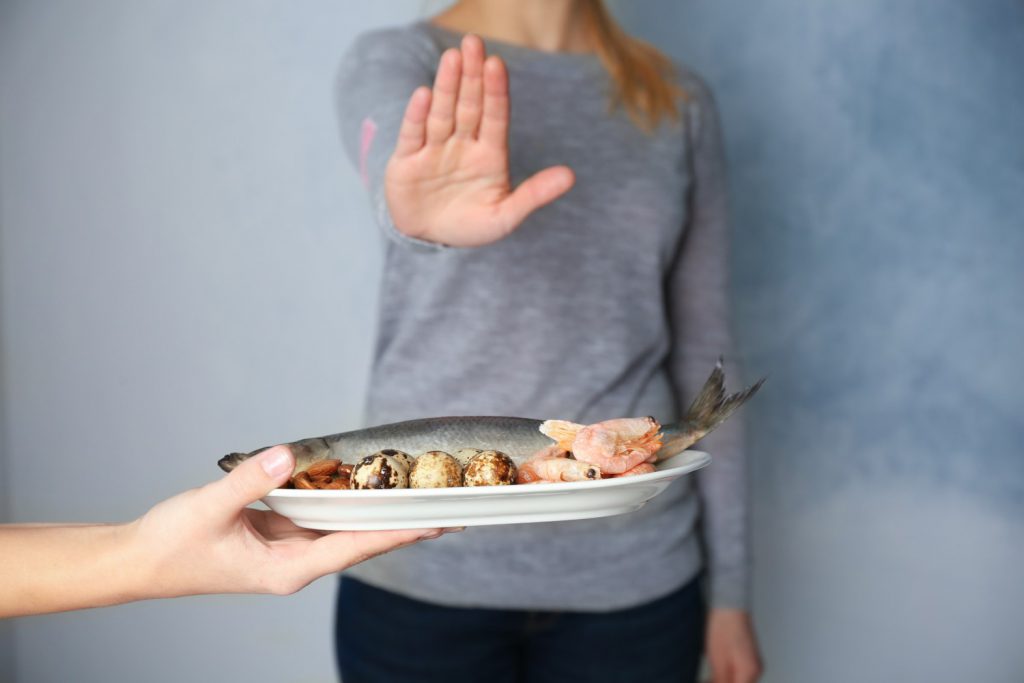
(208, 541)
(201, 541)
(448, 179)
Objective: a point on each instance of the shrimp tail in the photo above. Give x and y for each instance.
(711, 408)
(562, 431)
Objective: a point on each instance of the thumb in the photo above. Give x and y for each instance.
(539, 189)
(253, 479)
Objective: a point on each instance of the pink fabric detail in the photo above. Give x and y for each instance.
(369, 132)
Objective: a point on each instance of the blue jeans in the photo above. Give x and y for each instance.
(382, 637)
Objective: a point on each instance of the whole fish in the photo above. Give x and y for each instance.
(517, 437)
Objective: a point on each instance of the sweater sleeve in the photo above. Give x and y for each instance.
(376, 78)
(699, 311)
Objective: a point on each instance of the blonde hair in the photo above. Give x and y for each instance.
(643, 77)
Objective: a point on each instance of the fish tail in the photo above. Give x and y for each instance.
(711, 408)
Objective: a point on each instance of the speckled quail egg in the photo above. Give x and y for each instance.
(400, 456)
(464, 455)
(435, 470)
(380, 471)
(489, 468)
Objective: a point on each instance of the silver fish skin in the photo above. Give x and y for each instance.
(517, 437)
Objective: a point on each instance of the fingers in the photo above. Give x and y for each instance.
(250, 481)
(470, 102)
(336, 551)
(534, 192)
(731, 647)
(494, 119)
(411, 136)
(719, 674)
(747, 668)
(274, 527)
(739, 672)
(441, 119)
(748, 674)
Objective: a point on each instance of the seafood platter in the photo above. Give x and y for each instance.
(470, 471)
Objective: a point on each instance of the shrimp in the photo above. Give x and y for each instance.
(562, 431)
(552, 470)
(642, 468)
(619, 445)
(553, 464)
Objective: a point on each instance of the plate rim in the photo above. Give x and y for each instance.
(698, 460)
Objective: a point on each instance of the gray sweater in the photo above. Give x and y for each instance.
(610, 302)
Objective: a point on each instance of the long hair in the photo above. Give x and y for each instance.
(643, 78)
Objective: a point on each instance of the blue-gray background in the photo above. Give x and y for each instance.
(184, 257)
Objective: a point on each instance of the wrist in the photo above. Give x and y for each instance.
(154, 569)
(135, 563)
(402, 234)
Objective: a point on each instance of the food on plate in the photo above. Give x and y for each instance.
(464, 455)
(489, 468)
(400, 456)
(301, 480)
(613, 445)
(553, 464)
(642, 468)
(498, 451)
(435, 470)
(380, 471)
(328, 474)
(323, 468)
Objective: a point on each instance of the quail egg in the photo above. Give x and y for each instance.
(400, 456)
(380, 471)
(435, 470)
(464, 455)
(490, 468)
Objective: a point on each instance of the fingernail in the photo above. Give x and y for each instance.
(433, 533)
(452, 530)
(276, 462)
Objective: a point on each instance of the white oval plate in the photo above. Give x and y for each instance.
(480, 505)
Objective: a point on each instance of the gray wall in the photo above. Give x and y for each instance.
(877, 153)
(184, 262)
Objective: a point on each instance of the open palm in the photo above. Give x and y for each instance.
(448, 180)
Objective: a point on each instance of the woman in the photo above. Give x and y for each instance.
(504, 293)
(201, 541)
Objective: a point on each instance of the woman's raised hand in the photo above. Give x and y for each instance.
(448, 179)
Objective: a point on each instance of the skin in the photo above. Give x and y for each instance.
(201, 541)
(448, 182)
(448, 179)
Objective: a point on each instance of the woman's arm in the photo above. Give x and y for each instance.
(435, 160)
(699, 311)
(202, 541)
(52, 568)
(700, 320)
